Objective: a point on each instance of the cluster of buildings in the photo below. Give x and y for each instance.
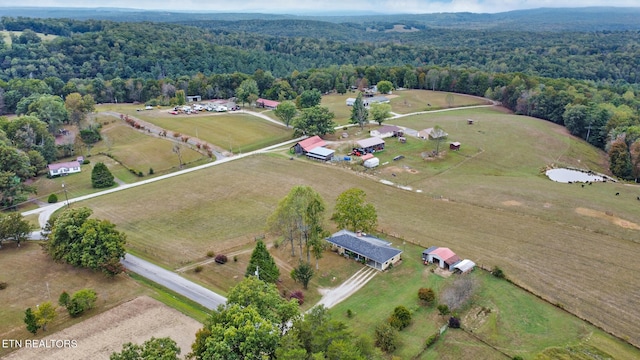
(381, 255)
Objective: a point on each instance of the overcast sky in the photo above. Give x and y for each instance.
(306, 6)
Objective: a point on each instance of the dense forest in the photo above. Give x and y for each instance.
(587, 81)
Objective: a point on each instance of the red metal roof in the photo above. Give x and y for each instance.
(311, 143)
(446, 255)
(366, 157)
(268, 103)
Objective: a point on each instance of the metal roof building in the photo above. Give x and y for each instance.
(374, 252)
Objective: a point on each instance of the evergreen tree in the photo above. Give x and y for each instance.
(359, 112)
(101, 177)
(262, 264)
(30, 321)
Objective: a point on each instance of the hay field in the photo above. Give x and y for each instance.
(235, 132)
(35, 278)
(576, 261)
(135, 321)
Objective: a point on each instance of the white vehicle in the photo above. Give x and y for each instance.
(221, 108)
(198, 107)
(148, 107)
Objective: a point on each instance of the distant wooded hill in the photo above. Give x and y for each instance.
(543, 19)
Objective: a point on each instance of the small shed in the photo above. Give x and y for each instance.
(194, 98)
(351, 101)
(470, 121)
(444, 257)
(371, 144)
(464, 266)
(432, 134)
(454, 146)
(371, 163)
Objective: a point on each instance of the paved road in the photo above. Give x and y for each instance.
(173, 281)
(164, 277)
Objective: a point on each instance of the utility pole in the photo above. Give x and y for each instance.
(65, 195)
(257, 273)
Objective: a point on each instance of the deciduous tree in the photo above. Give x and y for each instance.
(316, 120)
(13, 227)
(91, 243)
(286, 111)
(152, 349)
(380, 112)
(384, 86)
(353, 213)
(45, 313)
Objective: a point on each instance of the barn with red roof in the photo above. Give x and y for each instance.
(313, 147)
(444, 257)
(267, 104)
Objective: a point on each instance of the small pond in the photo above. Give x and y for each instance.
(569, 175)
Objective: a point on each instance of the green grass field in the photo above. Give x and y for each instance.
(516, 322)
(235, 132)
(6, 36)
(35, 278)
(402, 102)
(573, 246)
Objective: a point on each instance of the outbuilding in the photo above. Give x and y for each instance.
(320, 153)
(371, 144)
(370, 250)
(454, 146)
(464, 266)
(308, 144)
(267, 104)
(371, 163)
(444, 257)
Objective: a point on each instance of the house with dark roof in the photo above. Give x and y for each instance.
(386, 131)
(64, 168)
(444, 257)
(370, 250)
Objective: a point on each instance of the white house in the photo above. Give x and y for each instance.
(386, 131)
(64, 168)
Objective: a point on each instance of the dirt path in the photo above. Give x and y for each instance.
(97, 337)
(331, 297)
(157, 131)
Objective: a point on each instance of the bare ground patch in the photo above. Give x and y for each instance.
(511, 203)
(135, 321)
(610, 217)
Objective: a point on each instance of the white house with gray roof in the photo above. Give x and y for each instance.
(372, 251)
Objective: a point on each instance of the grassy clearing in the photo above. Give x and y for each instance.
(402, 102)
(140, 151)
(410, 101)
(6, 36)
(235, 132)
(33, 278)
(495, 210)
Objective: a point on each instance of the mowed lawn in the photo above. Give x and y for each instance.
(141, 151)
(235, 132)
(33, 278)
(559, 247)
(498, 313)
(402, 102)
